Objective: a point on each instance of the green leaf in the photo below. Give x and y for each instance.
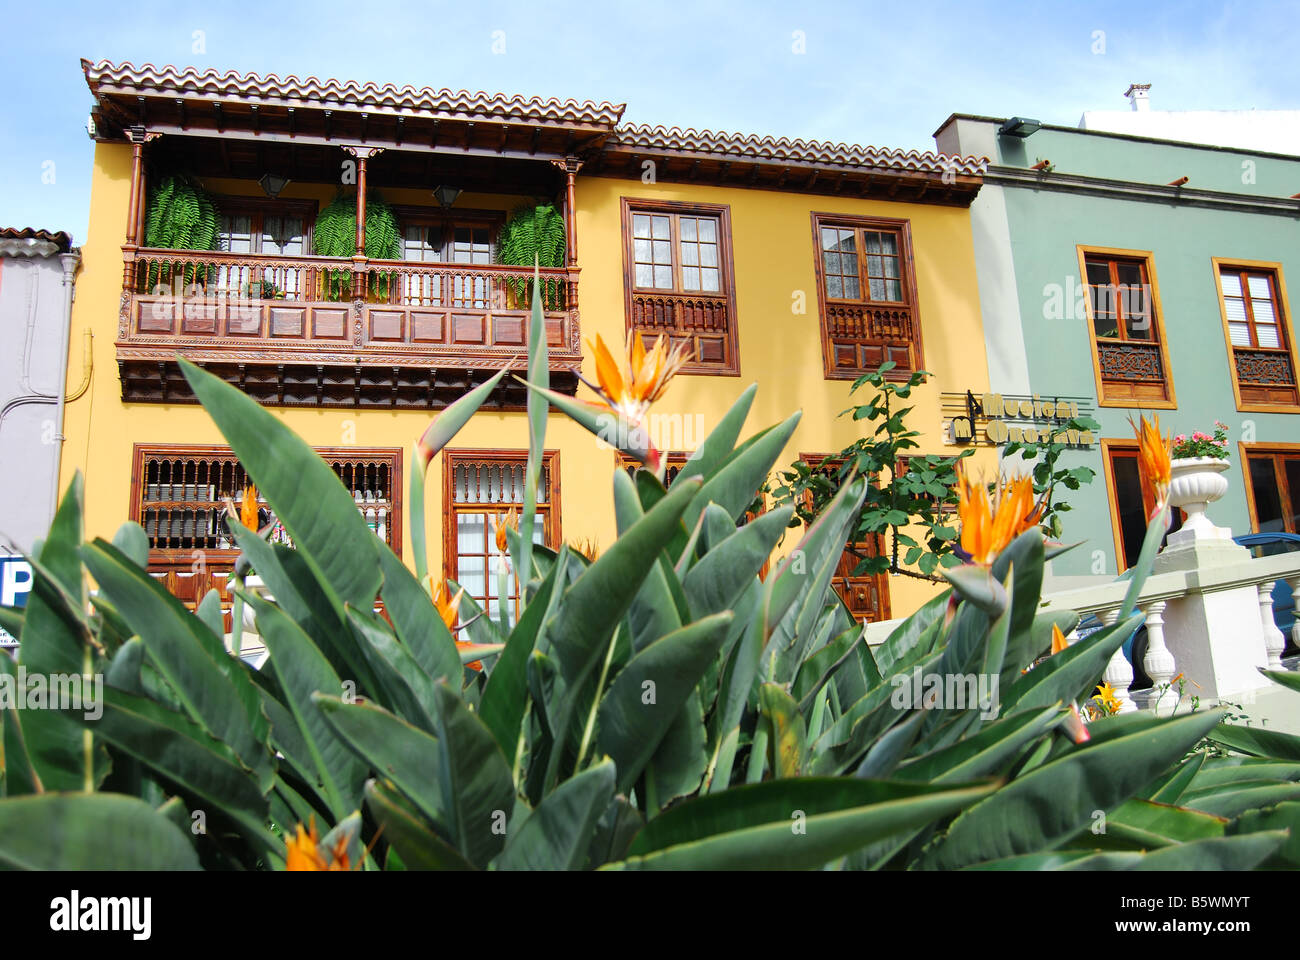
(1216, 853)
(318, 513)
(1149, 825)
(302, 670)
(630, 728)
(721, 441)
(1064, 792)
(1258, 742)
(789, 732)
(1284, 677)
(407, 689)
(416, 620)
(1234, 800)
(539, 372)
(1285, 816)
(734, 483)
(789, 824)
(419, 847)
(557, 834)
(212, 687)
(477, 790)
(90, 831)
(1073, 672)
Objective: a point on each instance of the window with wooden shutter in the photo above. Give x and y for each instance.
(178, 495)
(867, 294)
(1130, 358)
(480, 487)
(1261, 345)
(679, 280)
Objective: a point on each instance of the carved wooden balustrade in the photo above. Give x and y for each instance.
(319, 331)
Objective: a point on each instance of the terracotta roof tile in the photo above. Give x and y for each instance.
(444, 101)
(62, 239)
(777, 149)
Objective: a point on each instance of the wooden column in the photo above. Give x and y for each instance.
(361, 204)
(571, 167)
(137, 185)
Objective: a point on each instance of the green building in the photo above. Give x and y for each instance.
(1124, 274)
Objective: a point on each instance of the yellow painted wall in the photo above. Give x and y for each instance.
(779, 349)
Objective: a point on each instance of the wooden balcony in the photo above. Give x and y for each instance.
(315, 331)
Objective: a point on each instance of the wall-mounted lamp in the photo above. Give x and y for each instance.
(272, 184)
(446, 195)
(1019, 127)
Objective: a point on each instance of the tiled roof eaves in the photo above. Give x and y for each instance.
(62, 239)
(170, 79)
(784, 149)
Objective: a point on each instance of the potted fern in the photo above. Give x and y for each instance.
(180, 215)
(335, 235)
(534, 235)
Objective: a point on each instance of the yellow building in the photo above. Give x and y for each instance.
(796, 265)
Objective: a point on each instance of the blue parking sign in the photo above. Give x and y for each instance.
(15, 584)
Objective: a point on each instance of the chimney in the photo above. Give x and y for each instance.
(1139, 96)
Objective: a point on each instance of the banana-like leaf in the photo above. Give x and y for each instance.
(789, 733)
(416, 620)
(1214, 773)
(1258, 742)
(506, 693)
(1285, 816)
(789, 824)
(302, 670)
(214, 690)
(477, 790)
(1217, 853)
(17, 775)
(419, 847)
(647, 695)
(407, 689)
(1067, 675)
(721, 441)
(885, 753)
(599, 420)
(735, 482)
(1065, 792)
(131, 539)
(185, 754)
(52, 643)
(907, 635)
(1148, 825)
(539, 372)
(1170, 788)
(652, 613)
(557, 834)
(90, 831)
(682, 757)
(394, 749)
(318, 513)
(1024, 555)
(1284, 677)
(1235, 799)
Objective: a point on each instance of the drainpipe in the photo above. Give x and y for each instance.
(69, 261)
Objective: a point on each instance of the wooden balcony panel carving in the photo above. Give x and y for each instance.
(300, 318)
(1264, 368)
(701, 321)
(861, 337)
(1130, 360)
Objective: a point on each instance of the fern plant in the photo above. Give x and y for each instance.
(179, 215)
(534, 235)
(335, 235)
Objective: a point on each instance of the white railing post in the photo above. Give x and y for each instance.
(1295, 609)
(1159, 662)
(1274, 642)
(1119, 675)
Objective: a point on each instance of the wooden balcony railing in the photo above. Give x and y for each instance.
(418, 322)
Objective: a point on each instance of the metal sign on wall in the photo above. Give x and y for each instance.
(998, 419)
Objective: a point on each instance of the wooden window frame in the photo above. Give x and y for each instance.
(730, 365)
(1275, 450)
(1127, 445)
(552, 535)
(1247, 397)
(907, 283)
(260, 207)
(1110, 392)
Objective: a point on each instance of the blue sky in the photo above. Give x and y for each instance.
(879, 73)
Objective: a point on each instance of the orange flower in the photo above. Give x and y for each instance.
(630, 393)
(448, 609)
(989, 523)
(1153, 460)
(303, 851)
(1059, 642)
(248, 508)
(467, 645)
(510, 520)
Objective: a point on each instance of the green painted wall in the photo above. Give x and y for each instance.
(1045, 227)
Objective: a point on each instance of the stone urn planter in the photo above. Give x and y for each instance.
(1195, 483)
